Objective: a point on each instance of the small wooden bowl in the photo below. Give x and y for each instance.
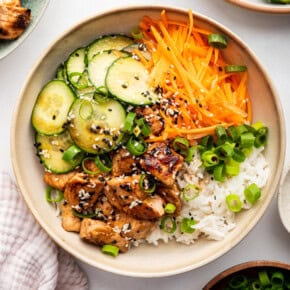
(250, 269)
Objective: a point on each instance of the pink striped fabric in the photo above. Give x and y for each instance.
(29, 259)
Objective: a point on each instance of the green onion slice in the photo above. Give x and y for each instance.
(85, 169)
(232, 167)
(235, 68)
(104, 163)
(209, 158)
(168, 224)
(190, 192)
(219, 173)
(221, 134)
(234, 202)
(187, 225)
(247, 140)
(170, 208)
(78, 80)
(217, 40)
(136, 146)
(72, 154)
(238, 282)
(189, 154)
(53, 194)
(129, 122)
(180, 143)
(136, 33)
(147, 183)
(252, 193)
(277, 278)
(110, 250)
(264, 278)
(83, 215)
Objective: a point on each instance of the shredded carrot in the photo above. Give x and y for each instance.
(198, 94)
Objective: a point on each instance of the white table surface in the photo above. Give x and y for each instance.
(268, 35)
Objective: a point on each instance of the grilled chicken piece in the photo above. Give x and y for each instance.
(58, 181)
(131, 228)
(170, 195)
(152, 117)
(13, 20)
(98, 232)
(162, 162)
(123, 163)
(125, 194)
(70, 222)
(122, 223)
(82, 191)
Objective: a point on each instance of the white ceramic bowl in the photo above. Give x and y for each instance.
(146, 260)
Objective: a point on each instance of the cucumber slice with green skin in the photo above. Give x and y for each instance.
(96, 127)
(128, 80)
(61, 73)
(50, 151)
(107, 42)
(52, 105)
(75, 69)
(98, 66)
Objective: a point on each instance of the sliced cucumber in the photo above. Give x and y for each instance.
(108, 42)
(50, 151)
(50, 110)
(61, 73)
(96, 127)
(98, 66)
(127, 79)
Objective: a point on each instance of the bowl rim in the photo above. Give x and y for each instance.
(58, 240)
(261, 7)
(243, 266)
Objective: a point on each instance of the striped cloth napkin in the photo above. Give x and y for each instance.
(29, 259)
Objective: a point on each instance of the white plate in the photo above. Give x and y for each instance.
(37, 8)
(262, 6)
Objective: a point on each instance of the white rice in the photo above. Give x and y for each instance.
(209, 208)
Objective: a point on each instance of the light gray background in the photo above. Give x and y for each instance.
(268, 35)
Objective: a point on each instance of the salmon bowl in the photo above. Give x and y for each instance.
(177, 177)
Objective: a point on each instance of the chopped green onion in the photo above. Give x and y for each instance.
(252, 193)
(85, 168)
(258, 125)
(235, 68)
(190, 192)
(238, 155)
(264, 278)
(136, 33)
(144, 127)
(256, 285)
(219, 172)
(234, 202)
(225, 150)
(232, 167)
(221, 134)
(217, 40)
(72, 154)
(277, 278)
(129, 122)
(189, 154)
(83, 215)
(207, 142)
(104, 163)
(209, 158)
(233, 133)
(78, 80)
(110, 250)
(168, 224)
(147, 183)
(180, 143)
(136, 147)
(186, 225)
(53, 194)
(247, 140)
(170, 208)
(238, 282)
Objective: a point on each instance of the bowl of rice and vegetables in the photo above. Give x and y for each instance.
(151, 139)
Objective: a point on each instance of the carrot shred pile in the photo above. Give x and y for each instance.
(197, 93)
